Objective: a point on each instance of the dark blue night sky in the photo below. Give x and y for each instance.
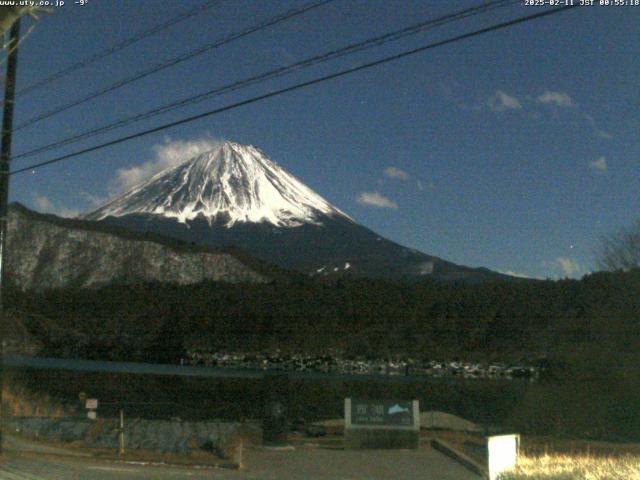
(516, 150)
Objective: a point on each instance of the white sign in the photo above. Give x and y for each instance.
(91, 403)
(91, 414)
(503, 454)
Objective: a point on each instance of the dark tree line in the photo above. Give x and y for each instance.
(157, 322)
(588, 330)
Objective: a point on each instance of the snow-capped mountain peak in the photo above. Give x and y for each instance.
(236, 182)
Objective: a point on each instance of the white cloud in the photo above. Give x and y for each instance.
(425, 185)
(564, 266)
(43, 204)
(514, 274)
(599, 132)
(94, 200)
(168, 154)
(560, 99)
(568, 266)
(603, 134)
(393, 172)
(599, 165)
(374, 199)
(501, 101)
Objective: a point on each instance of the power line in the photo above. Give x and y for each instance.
(118, 46)
(176, 60)
(256, 79)
(299, 86)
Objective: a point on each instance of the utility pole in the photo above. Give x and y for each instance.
(5, 164)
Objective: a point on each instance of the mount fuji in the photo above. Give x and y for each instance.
(234, 195)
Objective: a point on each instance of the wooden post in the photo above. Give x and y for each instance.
(276, 406)
(237, 454)
(121, 433)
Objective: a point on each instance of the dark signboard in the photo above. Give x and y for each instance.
(382, 412)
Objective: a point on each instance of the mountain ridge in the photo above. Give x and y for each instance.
(235, 195)
(45, 251)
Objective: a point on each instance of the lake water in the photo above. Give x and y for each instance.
(312, 397)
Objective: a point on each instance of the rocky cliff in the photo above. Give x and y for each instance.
(45, 252)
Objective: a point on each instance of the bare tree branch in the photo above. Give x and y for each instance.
(620, 250)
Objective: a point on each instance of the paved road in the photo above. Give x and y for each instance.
(27, 460)
(303, 463)
(43, 467)
(325, 464)
(17, 444)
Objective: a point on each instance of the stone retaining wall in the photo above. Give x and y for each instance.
(159, 435)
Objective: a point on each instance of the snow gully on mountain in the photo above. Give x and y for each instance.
(236, 180)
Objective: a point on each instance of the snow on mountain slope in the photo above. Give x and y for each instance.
(235, 182)
(235, 195)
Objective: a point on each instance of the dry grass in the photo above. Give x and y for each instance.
(575, 467)
(19, 402)
(536, 446)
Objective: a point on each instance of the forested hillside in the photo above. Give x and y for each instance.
(157, 322)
